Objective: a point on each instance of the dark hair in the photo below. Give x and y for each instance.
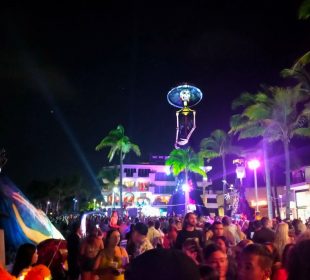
(223, 238)
(215, 223)
(298, 263)
(23, 258)
(209, 250)
(208, 273)
(162, 264)
(186, 218)
(108, 237)
(157, 224)
(261, 251)
(264, 221)
(190, 244)
(226, 221)
(286, 254)
(150, 223)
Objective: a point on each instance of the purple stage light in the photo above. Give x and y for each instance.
(253, 164)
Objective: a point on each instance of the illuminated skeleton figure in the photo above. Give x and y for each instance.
(186, 121)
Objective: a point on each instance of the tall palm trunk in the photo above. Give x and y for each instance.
(121, 181)
(186, 192)
(267, 174)
(224, 181)
(287, 176)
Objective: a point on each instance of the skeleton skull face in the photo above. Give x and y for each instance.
(185, 95)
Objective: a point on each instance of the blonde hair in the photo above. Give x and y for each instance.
(281, 237)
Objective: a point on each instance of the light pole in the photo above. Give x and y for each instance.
(94, 203)
(74, 204)
(47, 206)
(253, 165)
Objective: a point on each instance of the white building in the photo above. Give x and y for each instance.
(151, 184)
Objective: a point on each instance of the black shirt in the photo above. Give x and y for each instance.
(184, 234)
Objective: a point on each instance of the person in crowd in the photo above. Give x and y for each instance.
(264, 233)
(239, 247)
(164, 265)
(139, 238)
(217, 259)
(161, 239)
(281, 237)
(208, 273)
(281, 272)
(189, 231)
(130, 245)
(230, 231)
(114, 220)
(111, 262)
(170, 238)
(192, 249)
(26, 257)
(153, 234)
(222, 242)
(299, 227)
(298, 263)
(73, 244)
(89, 250)
(255, 263)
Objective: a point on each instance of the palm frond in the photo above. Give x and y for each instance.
(302, 131)
(304, 10)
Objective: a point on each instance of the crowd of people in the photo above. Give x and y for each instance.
(187, 247)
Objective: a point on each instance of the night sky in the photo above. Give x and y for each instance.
(68, 76)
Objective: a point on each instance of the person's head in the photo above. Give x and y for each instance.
(112, 239)
(157, 224)
(190, 220)
(257, 225)
(162, 264)
(26, 256)
(282, 231)
(298, 263)
(266, 222)
(172, 232)
(208, 273)
(255, 263)
(222, 242)
(150, 223)
(216, 258)
(226, 221)
(114, 214)
(192, 249)
(217, 228)
(139, 233)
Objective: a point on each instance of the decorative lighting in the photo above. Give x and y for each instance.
(185, 187)
(254, 164)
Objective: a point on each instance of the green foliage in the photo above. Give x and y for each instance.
(118, 143)
(186, 160)
(217, 145)
(109, 177)
(304, 10)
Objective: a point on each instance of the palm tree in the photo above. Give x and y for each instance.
(186, 161)
(110, 178)
(277, 115)
(121, 145)
(219, 144)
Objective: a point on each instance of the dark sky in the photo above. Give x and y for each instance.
(68, 76)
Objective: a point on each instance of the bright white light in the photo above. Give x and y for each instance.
(240, 171)
(254, 164)
(115, 189)
(208, 168)
(167, 170)
(185, 188)
(150, 211)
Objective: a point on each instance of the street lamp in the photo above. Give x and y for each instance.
(47, 206)
(74, 204)
(253, 165)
